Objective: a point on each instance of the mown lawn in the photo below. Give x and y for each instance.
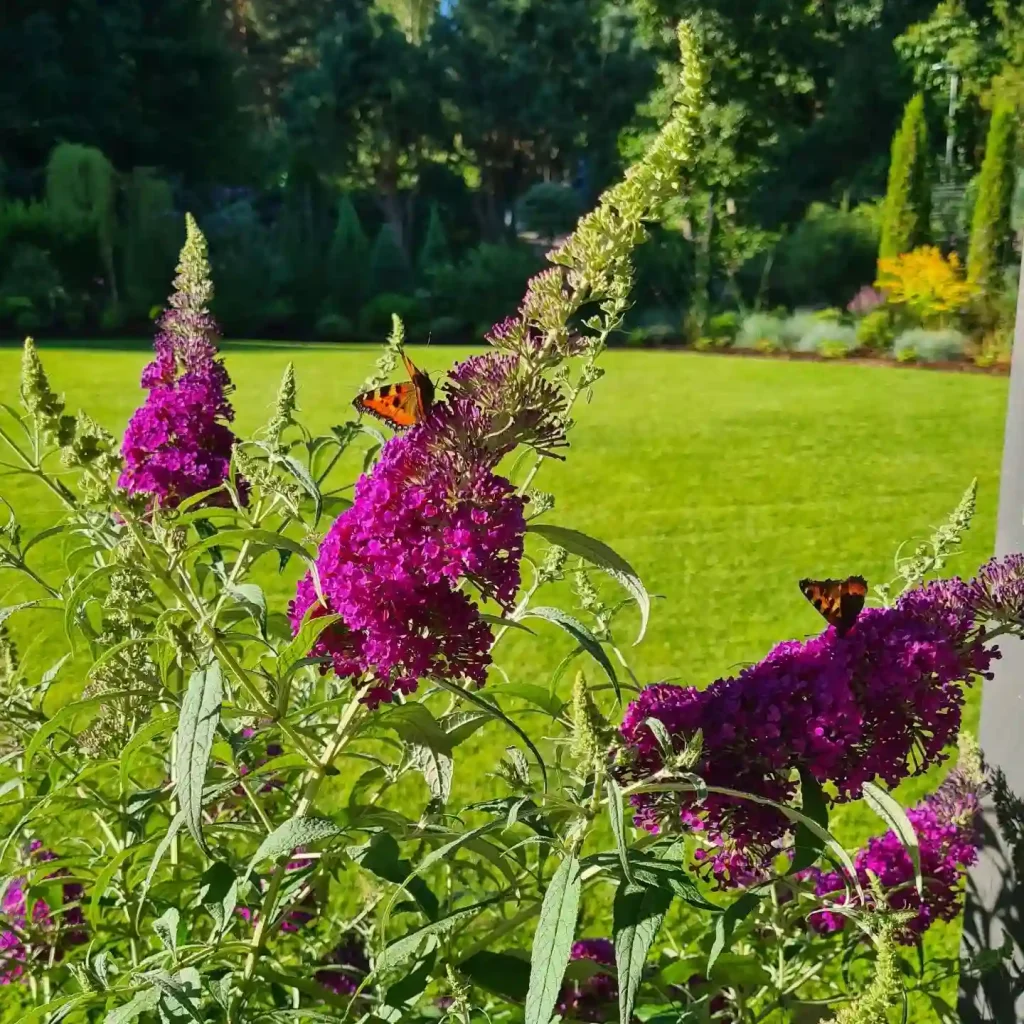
(722, 480)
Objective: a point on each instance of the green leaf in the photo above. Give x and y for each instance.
(582, 635)
(501, 620)
(197, 726)
(259, 538)
(410, 985)
(725, 925)
(807, 845)
(437, 769)
(74, 601)
(415, 724)
(300, 645)
(503, 974)
(615, 814)
(381, 856)
(179, 993)
(294, 832)
(6, 613)
(67, 714)
(50, 531)
(218, 893)
(552, 942)
(495, 712)
(103, 880)
(638, 911)
(598, 553)
(173, 828)
(308, 484)
(252, 599)
(142, 1002)
(404, 948)
(166, 928)
(460, 725)
(537, 695)
(159, 723)
(896, 818)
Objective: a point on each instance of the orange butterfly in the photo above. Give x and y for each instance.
(401, 405)
(838, 601)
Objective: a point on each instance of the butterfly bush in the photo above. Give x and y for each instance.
(231, 778)
(178, 443)
(596, 997)
(948, 828)
(345, 967)
(883, 701)
(37, 933)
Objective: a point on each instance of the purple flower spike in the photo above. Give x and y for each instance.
(949, 837)
(345, 967)
(431, 515)
(596, 998)
(881, 702)
(178, 443)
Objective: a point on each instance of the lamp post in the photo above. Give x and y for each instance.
(994, 913)
(954, 87)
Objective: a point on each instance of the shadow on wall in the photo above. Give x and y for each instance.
(992, 950)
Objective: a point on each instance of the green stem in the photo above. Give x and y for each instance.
(55, 485)
(221, 649)
(351, 717)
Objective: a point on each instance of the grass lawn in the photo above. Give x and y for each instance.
(722, 480)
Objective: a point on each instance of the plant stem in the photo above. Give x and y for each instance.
(351, 717)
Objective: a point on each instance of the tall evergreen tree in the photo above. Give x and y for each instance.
(907, 208)
(80, 190)
(389, 269)
(990, 226)
(434, 251)
(348, 261)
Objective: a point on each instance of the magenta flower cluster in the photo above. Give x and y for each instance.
(880, 702)
(37, 933)
(178, 443)
(344, 967)
(595, 998)
(949, 837)
(866, 300)
(431, 515)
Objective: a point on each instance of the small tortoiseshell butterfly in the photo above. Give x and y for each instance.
(838, 601)
(401, 405)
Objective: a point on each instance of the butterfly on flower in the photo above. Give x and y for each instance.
(839, 602)
(403, 404)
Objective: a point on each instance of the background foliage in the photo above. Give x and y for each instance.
(298, 131)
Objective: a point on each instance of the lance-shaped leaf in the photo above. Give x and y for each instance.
(197, 726)
(598, 553)
(896, 818)
(552, 942)
(582, 635)
(638, 911)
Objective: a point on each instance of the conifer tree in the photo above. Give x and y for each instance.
(348, 261)
(434, 252)
(990, 226)
(389, 269)
(907, 210)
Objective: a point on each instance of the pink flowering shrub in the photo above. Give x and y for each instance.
(178, 443)
(257, 805)
(882, 702)
(948, 828)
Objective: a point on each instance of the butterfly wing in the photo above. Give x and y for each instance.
(839, 602)
(401, 405)
(423, 384)
(397, 404)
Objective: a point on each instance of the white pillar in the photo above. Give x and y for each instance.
(995, 906)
